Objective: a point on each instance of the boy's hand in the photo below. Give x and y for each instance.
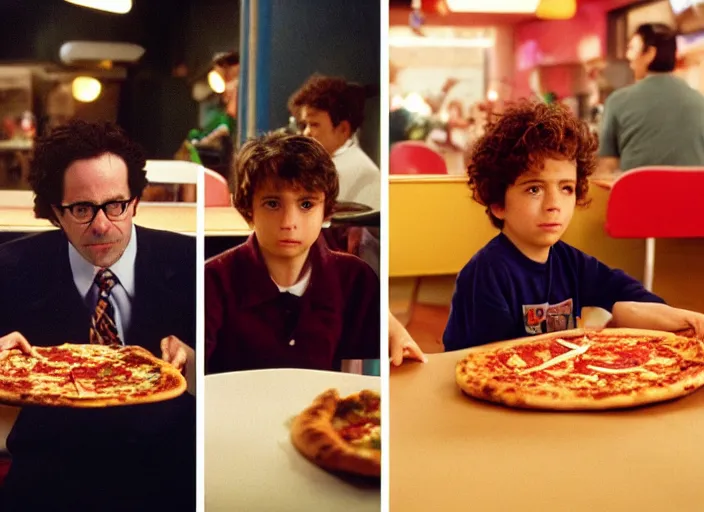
(695, 321)
(401, 345)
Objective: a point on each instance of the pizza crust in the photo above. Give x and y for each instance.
(476, 379)
(313, 435)
(84, 397)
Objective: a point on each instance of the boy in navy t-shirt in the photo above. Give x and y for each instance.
(530, 170)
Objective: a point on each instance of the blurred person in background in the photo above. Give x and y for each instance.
(659, 120)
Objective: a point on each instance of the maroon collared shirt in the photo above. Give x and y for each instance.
(250, 324)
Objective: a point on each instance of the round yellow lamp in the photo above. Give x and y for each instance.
(556, 9)
(216, 82)
(85, 89)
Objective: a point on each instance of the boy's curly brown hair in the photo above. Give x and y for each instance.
(292, 160)
(522, 138)
(342, 100)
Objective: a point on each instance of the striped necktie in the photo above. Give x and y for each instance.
(103, 330)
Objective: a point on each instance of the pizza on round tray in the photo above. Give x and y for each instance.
(341, 434)
(583, 369)
(76, 375)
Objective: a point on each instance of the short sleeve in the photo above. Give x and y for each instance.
(603, 286)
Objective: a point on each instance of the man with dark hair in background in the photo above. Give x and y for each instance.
(659, 120)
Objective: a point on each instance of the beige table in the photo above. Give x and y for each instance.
(225, 221)
(250, 463)
(449, 452)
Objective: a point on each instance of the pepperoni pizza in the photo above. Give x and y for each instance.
(87, 376)
(578, 369)
(341, 434)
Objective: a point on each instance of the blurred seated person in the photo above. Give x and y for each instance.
(215, 141)
(331, 110)
(659, 120)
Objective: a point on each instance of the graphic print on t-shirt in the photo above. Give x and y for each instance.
(544, 318)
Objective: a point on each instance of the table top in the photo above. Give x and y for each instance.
(250, 462)
(225, 221)
(450, 451)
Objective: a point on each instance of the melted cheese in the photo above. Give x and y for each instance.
(516, 361)
(559, 359)
(615, 371)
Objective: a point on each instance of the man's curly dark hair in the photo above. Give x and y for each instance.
(342, 100)
(80, 140)
(522, 138)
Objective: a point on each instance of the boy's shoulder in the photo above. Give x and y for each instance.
(243, 260)
(349, 267)
(494, 255)
(236, 256)
(499, 256)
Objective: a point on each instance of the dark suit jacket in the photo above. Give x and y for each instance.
(128, 455)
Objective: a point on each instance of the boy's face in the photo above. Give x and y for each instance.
(539, 206)
(318, 125)
(287, 221)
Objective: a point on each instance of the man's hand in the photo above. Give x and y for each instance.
(176, 352)
(401, 345)
(16, 340)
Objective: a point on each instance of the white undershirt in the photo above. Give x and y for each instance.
(299, 288)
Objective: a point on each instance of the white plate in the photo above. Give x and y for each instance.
(250, 463)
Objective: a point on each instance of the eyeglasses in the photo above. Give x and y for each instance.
(85, 213)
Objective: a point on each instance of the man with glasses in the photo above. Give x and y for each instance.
(99, 279)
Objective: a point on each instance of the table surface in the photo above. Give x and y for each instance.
(225, 221)
(250, 463)
(451, 452)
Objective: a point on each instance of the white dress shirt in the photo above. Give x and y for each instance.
(122, 294)
(360, 179)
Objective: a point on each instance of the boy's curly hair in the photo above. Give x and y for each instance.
(342, 100)
(522, 138)
(293, 160)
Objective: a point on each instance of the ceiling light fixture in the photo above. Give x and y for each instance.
(114, 6)
(495, 6)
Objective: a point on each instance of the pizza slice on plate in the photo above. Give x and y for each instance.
(341, 434)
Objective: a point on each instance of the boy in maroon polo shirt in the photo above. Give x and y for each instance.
(283, 299)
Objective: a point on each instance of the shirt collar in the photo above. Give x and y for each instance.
(259, 284)
(84, 272)
(299, 288)
(352, 141)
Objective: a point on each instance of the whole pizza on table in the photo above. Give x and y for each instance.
(76, 375)
(583, 369)
(341, 434)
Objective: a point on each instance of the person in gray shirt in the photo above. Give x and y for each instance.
(659, 120)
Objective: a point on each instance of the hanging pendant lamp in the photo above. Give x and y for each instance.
(556, 9)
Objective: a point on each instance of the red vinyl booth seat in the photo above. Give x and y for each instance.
(414, 157)
(656, 202)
